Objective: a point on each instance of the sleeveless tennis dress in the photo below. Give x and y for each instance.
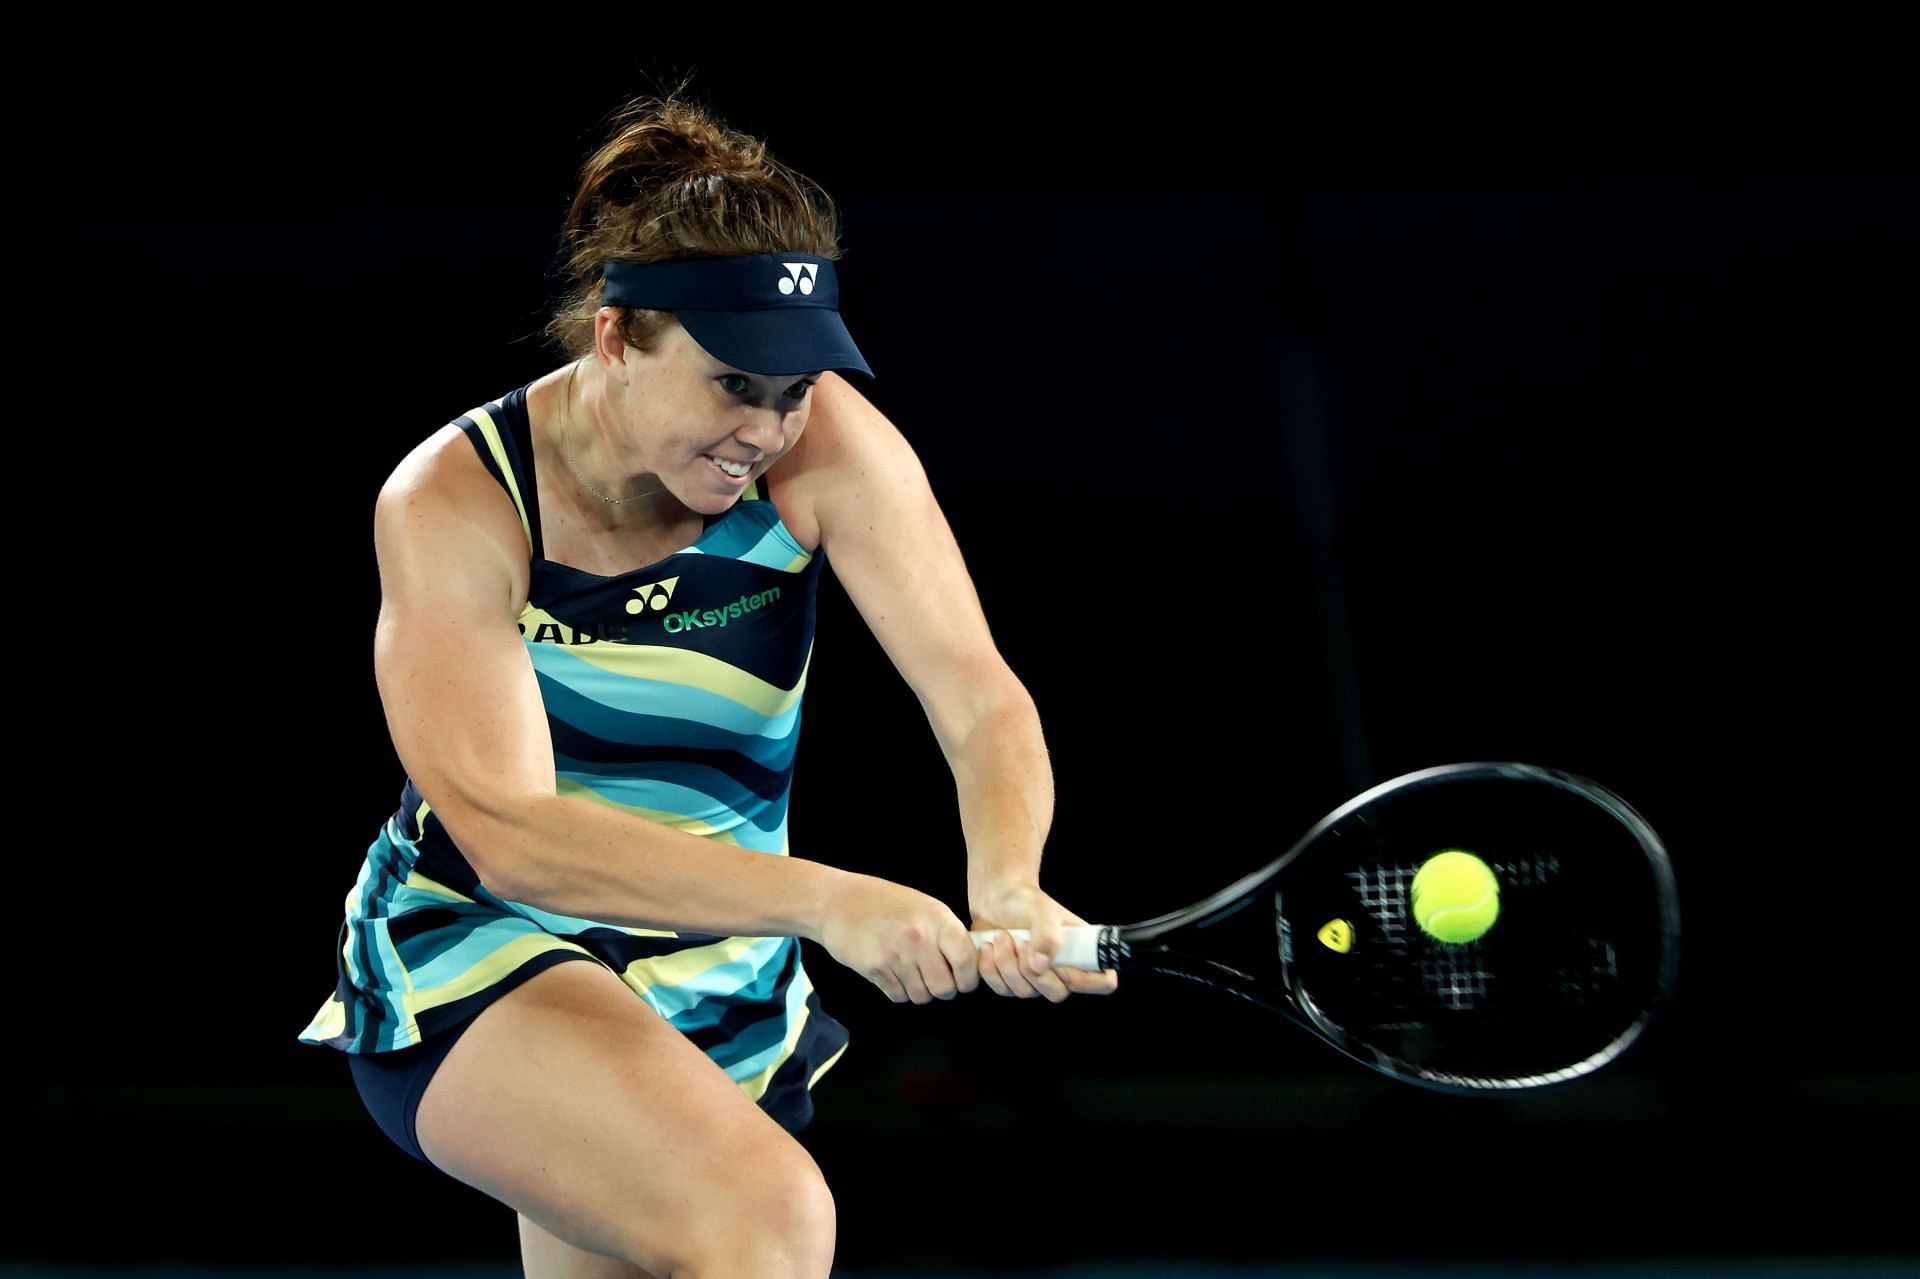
(672, 692)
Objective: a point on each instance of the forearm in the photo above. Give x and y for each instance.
(575, 857)
(1005, 787)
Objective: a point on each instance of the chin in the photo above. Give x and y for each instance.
(707, 502)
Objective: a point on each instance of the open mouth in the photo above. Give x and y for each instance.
(731, 469)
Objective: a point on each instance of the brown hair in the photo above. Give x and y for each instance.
(673, 181)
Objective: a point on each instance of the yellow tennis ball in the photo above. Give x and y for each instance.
(1455, 897)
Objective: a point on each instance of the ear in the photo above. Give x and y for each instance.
(609, 347)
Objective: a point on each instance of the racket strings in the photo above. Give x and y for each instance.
(1528, 872)
(1464, 978)
(1574, 985)
(1455, 984)
(1454, 978)
(1382, 893)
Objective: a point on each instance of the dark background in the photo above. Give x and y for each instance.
(1311, 405)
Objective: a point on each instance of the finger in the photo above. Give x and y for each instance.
(889, 985)
(1043, 942)
(1008, 968)
(1012, 963)
(1080, 982)
(937, 975)
(990, 969)
(1000, 967)
(916, 986)
(1047, 983)
(963, 961)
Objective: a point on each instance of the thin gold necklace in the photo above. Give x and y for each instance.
(611, 501)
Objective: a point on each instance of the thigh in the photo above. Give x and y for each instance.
(572, 1101)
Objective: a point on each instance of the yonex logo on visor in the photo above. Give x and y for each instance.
(794, 276)
(776, 313)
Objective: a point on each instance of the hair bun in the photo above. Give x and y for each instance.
(672, 180)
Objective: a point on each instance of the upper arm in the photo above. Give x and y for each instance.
(894, 552)
(462, 703)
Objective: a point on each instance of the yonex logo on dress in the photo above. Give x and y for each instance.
(794, 276)
(653, 597)
(646, 602)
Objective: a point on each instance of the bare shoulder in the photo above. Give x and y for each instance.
(442, 462)
(849, 457)
(440, 503)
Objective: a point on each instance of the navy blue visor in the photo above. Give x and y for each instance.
(763, 312)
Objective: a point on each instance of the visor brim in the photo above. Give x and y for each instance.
(802, 340)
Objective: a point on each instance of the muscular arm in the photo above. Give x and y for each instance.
(892, 549)
(468, 722)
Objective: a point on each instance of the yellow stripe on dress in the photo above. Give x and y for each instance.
(824, 1066)
(330, 1022)
(683, 966)
(755, 1086)
(496, 966)
(682, 666)
(491, 431)
(416, 882)
(572, 789)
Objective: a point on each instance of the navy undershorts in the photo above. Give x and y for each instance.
(392, 1083)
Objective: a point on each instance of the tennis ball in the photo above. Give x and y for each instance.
(1455, 897)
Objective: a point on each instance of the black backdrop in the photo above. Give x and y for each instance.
(1310, 407)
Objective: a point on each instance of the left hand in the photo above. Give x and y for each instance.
(1025, 969)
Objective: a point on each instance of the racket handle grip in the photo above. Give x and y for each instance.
(1079, 944)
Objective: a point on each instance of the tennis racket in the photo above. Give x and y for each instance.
(1581, 956)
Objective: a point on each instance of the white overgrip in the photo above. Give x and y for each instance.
(1079, 944)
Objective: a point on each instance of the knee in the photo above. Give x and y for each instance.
(778, 1220)
(790, 1207)
(810, 1219)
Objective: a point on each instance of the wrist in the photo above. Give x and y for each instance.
(827, 888)
(992, 898)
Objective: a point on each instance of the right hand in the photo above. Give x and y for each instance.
(903, 941)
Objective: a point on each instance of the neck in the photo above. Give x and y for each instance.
(609, 503)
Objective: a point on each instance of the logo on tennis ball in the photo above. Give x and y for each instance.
(1454, 897)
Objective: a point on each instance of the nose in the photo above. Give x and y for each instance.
(765, 428)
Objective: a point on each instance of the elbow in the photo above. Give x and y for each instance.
(999, 696)
(492, 879)
(997, 705)
(493, 841)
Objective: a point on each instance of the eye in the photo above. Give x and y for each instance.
(726, 379)
(798, 390)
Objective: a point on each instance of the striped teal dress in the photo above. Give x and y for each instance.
(672, 692)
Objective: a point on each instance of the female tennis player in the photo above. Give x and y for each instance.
(597, 601)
